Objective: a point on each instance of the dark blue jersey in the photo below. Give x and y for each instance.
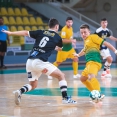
(45, 43)
(103, 33)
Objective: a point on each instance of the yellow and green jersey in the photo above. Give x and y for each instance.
(92, 48)
(67, 33)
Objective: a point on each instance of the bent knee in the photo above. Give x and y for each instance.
(110, 59)
(75, 59)
(58, 63)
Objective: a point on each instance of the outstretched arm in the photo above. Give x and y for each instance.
(81, 53)
(18, 33)
(110, 47)
(113, 38)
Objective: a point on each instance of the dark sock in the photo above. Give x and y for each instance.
(63, 88)
(105, 68)
(2, 60)
(25, 88)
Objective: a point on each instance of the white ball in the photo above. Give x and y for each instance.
(95, 94)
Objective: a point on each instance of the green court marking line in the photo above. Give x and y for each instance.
(15, 71)
(71, 91)
(66, 68)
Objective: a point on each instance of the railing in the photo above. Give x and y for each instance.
(77, 14)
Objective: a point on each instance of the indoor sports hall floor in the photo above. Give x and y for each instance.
(45, 100)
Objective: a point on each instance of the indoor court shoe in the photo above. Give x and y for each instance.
(77, 76)
(101, 97)
(108, 75)
(17, 97)
(68, 100)
(50, 77)
(103, 75)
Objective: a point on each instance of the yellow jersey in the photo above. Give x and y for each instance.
(92, 48)
(67, 33)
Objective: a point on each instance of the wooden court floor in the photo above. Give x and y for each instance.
(45, 100)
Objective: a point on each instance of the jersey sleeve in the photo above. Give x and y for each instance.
(60, 44)
(109, 34)
(63, 34)
(34, 34)
(96, 39)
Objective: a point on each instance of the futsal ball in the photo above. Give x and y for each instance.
(95, 95)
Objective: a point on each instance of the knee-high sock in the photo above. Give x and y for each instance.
(95, 83)
(63, 88)
(75, 67)
(107, 65)
(25, 88)
(88, 85)
(55, 63)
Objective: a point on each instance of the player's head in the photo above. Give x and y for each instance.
(69, 22)
(84, 31)
(53, 24)
(1, 21)
(104, 22)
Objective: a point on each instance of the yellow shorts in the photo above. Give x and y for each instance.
(63, 55)
(91, 68)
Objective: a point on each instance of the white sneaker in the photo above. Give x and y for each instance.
(68, 100)
(103, 75)
(101, 98)
(108, 75)
(17, 97)
(50, 77)
(77, 76)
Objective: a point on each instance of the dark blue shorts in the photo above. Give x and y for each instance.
(3, 46)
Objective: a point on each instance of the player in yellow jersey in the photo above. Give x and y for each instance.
(91, 50)
(67, 50)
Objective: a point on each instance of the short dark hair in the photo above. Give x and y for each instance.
(103, 19)
(84, 26)
(69, 18)
(52, 22)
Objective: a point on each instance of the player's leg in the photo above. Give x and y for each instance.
(88, 77)
(3, 49)
(50, 69)
(61, 56)
(33, 75)
(105, 53)
(74, 63)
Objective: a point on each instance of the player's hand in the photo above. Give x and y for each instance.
(5, 31)
(73, 40)
(58, 48)
(116, 52)
(75, 54)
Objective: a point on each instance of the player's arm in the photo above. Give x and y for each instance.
(81, 53)
(110, 47)
(18, 33)
(66, 41)
(58, 48)
(113, 38)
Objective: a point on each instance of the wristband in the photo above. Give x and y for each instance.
(115, 51)
(78, 55)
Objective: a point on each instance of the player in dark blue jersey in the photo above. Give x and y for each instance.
(45, 42)
(104, 33)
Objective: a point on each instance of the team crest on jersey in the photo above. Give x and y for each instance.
(63, 33)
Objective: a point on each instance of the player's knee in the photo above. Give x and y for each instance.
(58, 63)
(110, 59)
(83, 78)
(75, 59)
